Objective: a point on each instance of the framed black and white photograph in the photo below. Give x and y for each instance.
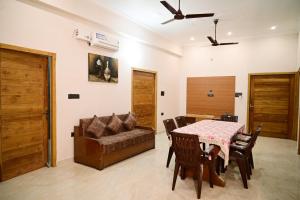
(103, 68)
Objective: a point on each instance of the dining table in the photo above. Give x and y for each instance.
(217, 133)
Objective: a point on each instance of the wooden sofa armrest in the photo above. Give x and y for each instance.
(88, 151)
(86, 146)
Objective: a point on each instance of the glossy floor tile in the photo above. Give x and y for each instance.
(276, 176)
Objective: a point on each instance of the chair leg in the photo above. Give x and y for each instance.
(249, 164)
(242, 166)
(218, 165)
(171, 151)
(199, 182)
(223, 169)
(175, 175)
(182, 173)
(251, 160)
(210, 168)
(249, 171)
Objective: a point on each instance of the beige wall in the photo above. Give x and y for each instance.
(275, 54)
(27, 26)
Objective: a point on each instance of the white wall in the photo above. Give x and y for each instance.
(276, 54)
(31, 27)
(109, 21)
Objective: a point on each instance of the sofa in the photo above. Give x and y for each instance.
(110, 147)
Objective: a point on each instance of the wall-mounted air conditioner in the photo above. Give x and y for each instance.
(104, 41)
(82, 35)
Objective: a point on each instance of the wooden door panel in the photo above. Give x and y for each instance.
(23, 112)
(21, 165)
(22, 151)
(143, 98)
(270, 99)
(271, 118)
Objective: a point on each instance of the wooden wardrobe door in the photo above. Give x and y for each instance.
(23, 112)
(270, 104)
(144, 98)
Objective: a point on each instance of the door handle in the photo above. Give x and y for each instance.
(251, 106)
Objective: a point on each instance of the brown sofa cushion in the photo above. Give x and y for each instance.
(84, 124)
(96, 128)
(115, 124)
(130, 122)
(125, 139)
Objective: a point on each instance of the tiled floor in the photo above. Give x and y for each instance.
(276, 176)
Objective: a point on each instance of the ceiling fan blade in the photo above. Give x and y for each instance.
(168, 21)
(169, 7)
(228, 43)
(199, 15)
(211, 40)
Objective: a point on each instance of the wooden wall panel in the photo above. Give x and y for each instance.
(198, 102)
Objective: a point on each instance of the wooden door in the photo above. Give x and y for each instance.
(271, 103)
(23, 112)
(144, 98)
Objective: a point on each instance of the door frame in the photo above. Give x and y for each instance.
(298, 120)
(52, 94)
(296, 98)
(155, 93)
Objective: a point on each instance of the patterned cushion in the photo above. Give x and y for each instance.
(130, 122)
(115, 124)
(125, 139)
(96, 128)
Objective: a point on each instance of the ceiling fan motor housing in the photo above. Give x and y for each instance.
(179, 15)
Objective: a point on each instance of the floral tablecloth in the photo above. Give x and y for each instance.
(214, 132)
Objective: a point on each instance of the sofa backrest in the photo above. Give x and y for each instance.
(84, 124)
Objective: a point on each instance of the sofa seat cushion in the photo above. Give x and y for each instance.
(125, 139)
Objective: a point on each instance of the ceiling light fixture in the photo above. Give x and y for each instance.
(273, 27)
(192, 38)
(229, 33)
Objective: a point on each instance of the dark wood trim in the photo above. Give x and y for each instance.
(298, 138)
(296, 107)
(52, 88)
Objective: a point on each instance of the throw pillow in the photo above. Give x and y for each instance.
(96, 127)
(115, 124)
(130, 122)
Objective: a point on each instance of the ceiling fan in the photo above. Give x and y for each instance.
(178, 14)
(214, 42)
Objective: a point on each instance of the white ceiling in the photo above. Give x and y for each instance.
(244, 18)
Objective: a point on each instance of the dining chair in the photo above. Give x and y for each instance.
(190, 120)
(252, 141)
(181, 121)
(169, 126)
(242, 154)
(188, 155)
